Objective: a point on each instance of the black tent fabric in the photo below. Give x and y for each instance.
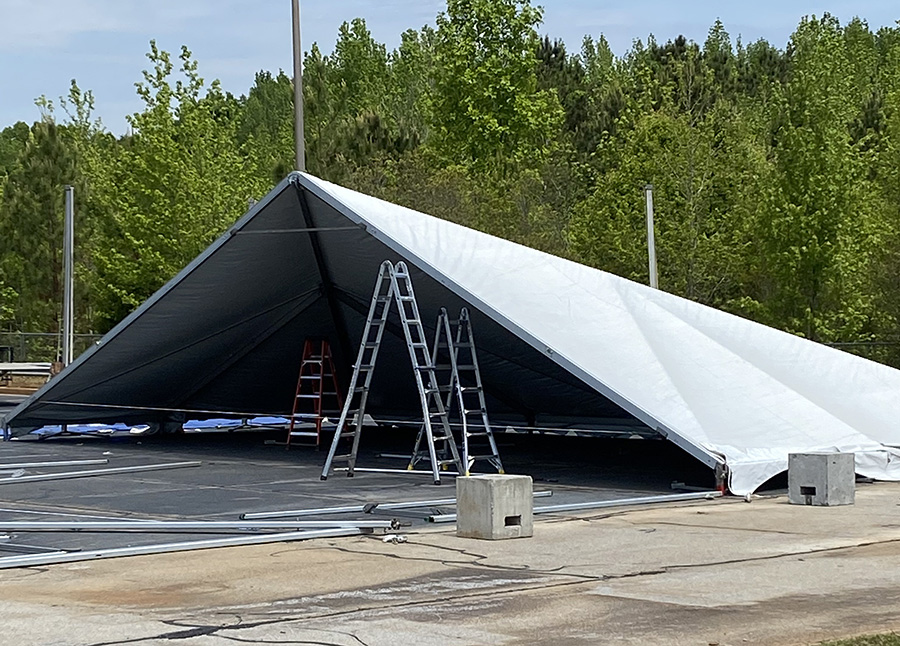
(224, 336)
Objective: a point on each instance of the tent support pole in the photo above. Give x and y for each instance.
(334, 308)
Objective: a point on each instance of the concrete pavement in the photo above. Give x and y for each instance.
(718, 572)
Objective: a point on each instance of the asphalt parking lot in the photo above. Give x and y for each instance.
(249, 471)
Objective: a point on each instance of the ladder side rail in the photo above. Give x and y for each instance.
(331, 369)
(435, 349)
(377, 320)
(297, 393)
(386, 270)
(431, 393)
(453, 353)
(449, 441)
(458, 391)
(479, 387)
(409, 297)
(455, 393)
(317, 405)
(443, 412)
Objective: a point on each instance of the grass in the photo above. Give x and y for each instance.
(890, 639)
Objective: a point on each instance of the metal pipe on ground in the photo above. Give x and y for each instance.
(407, 471)
(140, 550)
(98, 472)
(362, 509)
(19, 548)
(153, 526)
(58, 463)
(35, 512)
(603, 504)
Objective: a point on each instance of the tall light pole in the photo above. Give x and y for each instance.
(651, 238)
(69, 277)
(298, 88)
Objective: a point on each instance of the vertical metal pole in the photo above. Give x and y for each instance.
(298, 89)
(651, 238)
(68, 285)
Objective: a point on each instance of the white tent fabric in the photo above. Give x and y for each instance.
(724, 388)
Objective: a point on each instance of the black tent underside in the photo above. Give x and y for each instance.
(227, 335)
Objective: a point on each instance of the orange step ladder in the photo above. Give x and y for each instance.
(316, 382)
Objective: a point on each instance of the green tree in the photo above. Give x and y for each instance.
(817, 225)
(31, 227)
(487, 111)
(265, 126)
(174, 186)
(705, 178)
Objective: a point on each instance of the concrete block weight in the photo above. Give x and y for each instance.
(494, 506)
(821, 479)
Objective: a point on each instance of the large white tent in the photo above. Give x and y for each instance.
(563, 345)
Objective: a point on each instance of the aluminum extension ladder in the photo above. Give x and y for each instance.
(394, 284)
(456, 354)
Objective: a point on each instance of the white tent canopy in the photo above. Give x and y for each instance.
(568, 343)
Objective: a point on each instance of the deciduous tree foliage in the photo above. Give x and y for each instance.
(775, 171)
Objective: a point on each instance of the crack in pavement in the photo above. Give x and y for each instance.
(190, 631)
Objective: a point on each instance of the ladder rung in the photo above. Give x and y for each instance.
(304, 434)
(314, 396)
(477, 434)
(305, 416)
(447, 366)
(406, 299)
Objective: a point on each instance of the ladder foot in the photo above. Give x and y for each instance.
(323, 477)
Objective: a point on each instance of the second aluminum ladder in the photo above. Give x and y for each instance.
(456, 355)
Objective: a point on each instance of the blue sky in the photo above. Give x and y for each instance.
(102, 43)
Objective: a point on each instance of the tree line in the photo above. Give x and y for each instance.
(775, 171)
